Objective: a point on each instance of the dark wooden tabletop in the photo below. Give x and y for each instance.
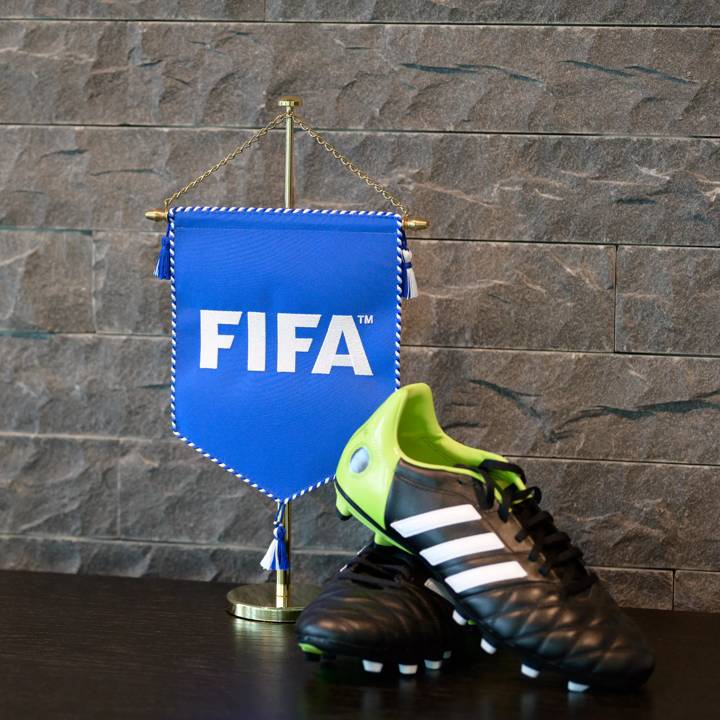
(91, 647)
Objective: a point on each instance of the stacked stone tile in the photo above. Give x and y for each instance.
(569, 160)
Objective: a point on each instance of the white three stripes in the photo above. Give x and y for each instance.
(475, 577)
(462, 546)
(469, 545)
(416, 524)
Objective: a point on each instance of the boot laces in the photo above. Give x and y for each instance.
(366, 569)
(554, 546)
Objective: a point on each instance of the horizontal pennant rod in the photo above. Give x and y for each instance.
(160, 215)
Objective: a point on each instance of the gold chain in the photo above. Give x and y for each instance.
(277, 121)
(352, 167)
(259, 135)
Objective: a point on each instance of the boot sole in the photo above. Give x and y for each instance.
(317, 649)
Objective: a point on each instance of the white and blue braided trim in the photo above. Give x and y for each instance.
(401, 246)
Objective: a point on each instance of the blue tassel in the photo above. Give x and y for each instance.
(276, 557)
(162, 267)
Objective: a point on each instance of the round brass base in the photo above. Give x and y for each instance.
(258, 602)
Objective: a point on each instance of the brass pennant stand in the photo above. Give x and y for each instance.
(283, 602)
(258, 602)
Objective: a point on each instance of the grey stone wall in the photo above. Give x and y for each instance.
(568, 156)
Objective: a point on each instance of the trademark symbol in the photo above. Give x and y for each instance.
(365, 319)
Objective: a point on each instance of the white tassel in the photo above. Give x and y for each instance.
(269, 558)
(411, 287)
(276, 557)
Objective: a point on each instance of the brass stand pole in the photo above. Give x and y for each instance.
(289, 103)
(282, 577)
(256, 602)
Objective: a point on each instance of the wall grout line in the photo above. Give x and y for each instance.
(93, 308)
(609, 461)
(606, 353)
(598, 566)
(308, 551)
(359, 131)
(615, 299)
(415, 239)
(610, 352)
(672, 594)
(87, 437)
(169, 440)
(313, 551)
(362, 23)
(105, 540)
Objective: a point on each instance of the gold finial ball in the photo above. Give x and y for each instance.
(290, 101)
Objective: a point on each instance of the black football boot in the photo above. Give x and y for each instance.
(379, 609)
(468, 515)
